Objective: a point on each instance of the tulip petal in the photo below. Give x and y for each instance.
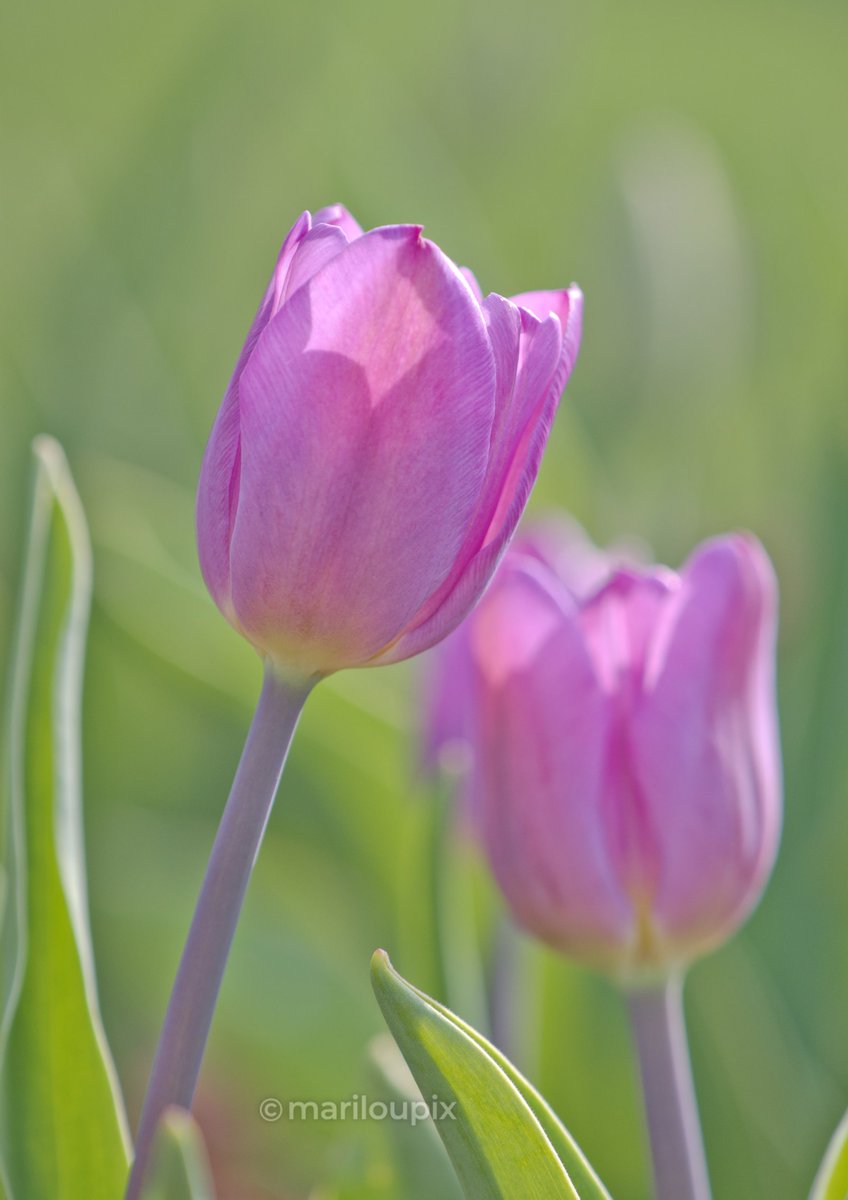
(542, 304)
(620, 621)
(563, 545)
(534, 359)
(366, 415)
(448, 707)
(277, 287)
(544, 719)
(217, 493)
(337, 214)
(322, 243)
(309, 244)
(525, 422)
(547, 353)
(471, 280)
(704, 740)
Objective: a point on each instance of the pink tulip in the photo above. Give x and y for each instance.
(376, 445)
(626, 772)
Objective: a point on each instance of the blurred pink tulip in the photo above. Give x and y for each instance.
(626, 766)
(376, 445)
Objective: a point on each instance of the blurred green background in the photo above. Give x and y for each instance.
(686, 164)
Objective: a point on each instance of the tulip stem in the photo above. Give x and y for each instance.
(183, 1038)
(671, 1109)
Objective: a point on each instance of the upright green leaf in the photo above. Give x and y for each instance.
(503, 1139)
(831, 1183)
(179, 1168)
(62, 1128)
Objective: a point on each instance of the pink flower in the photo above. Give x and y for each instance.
(376, 445)
(626, 771)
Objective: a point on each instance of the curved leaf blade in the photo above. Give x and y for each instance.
(831, 1183)
(498, 1147)
(62, 1127)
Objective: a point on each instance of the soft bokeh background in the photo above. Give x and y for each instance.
(687, 165)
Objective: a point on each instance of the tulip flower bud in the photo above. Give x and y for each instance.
(376, 445)
(626, 767)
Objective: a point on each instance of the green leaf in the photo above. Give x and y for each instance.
(179, 1168)
(503, 1138)
(62, 1127)
(831, 1183)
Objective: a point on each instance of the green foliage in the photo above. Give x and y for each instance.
(503, 1139)
(832, 1180)
(62, 1135)
(179, 1169)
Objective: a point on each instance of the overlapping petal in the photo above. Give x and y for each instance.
(544, 719)
(533, 361)
(218, 489)
(705, 746)
(337, 214)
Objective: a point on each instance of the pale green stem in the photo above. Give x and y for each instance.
(189, 1015)
(671, 1109)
